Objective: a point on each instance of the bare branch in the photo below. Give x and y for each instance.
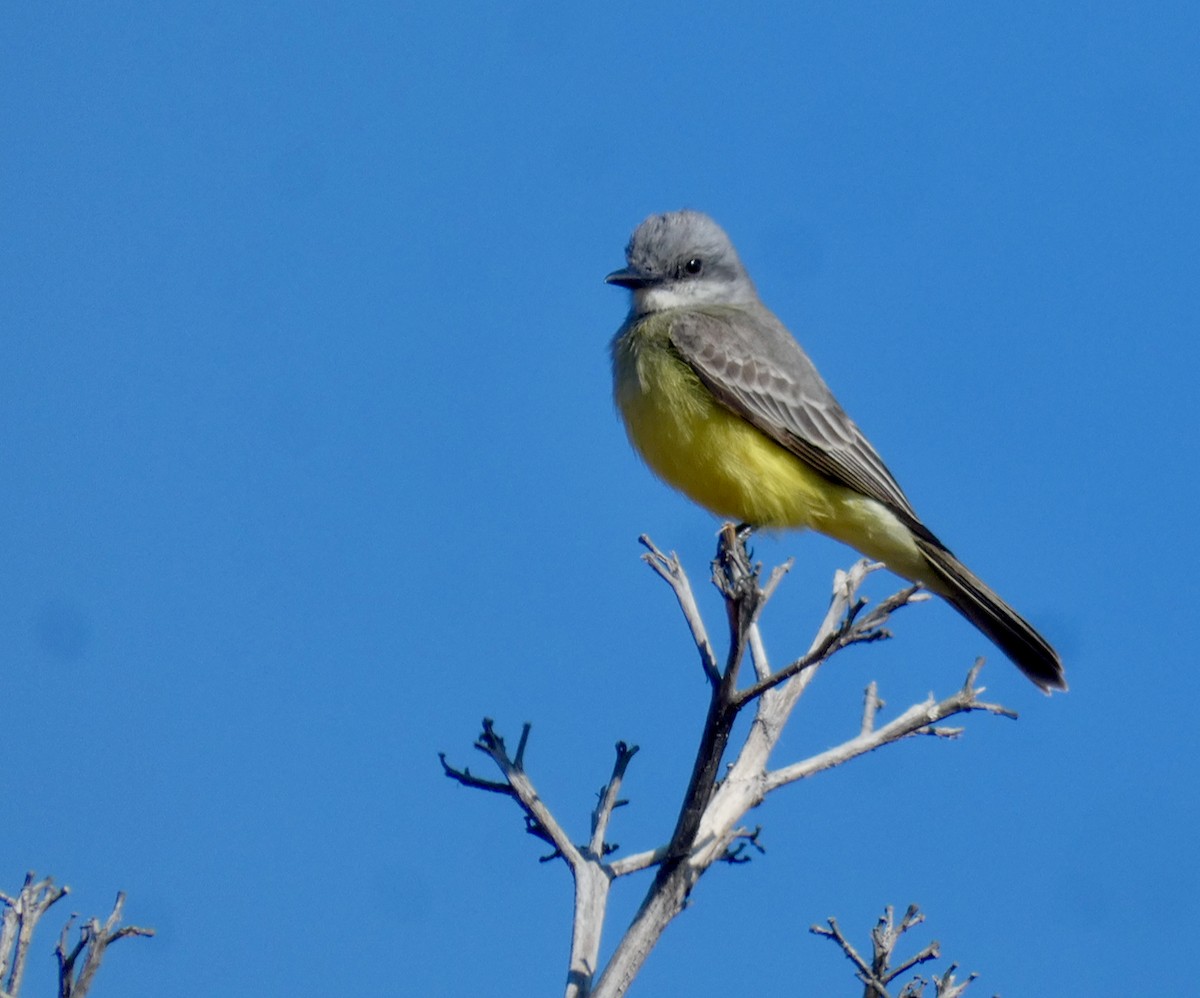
(21, 916)
(930, 952)
(946, 987)
(609, 800)
(834, 932)
(589, 868)
(871, 705)
(708, 827)
(709, 818)
(884, 937)
(735, 852)
(671, 571)
(468, 779)
(851, 631)
(918, 719)
(538, 819)
(519, 761)
(638, 862)
(758, 653)
(776, 577)
(94, 939)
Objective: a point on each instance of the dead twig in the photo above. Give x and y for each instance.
(877, 976)
(670, 570)
(21, 916)
(708, 827)
(75, 977)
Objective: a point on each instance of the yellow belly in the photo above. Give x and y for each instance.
(723, 463)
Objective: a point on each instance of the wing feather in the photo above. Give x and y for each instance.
(756, 369)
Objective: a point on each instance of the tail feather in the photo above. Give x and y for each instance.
(1012, 634)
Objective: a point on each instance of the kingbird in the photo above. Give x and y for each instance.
(724, 405)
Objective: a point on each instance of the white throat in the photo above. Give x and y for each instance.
(684, 294)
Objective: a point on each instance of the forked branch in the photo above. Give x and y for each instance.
(881, 972)
(709, 827)
(78, 963)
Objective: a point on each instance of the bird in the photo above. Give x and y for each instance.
(723, 404)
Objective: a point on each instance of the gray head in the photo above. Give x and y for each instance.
(682, 259)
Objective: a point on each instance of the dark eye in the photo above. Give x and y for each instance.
(694, 266)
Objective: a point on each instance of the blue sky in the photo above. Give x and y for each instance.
(310, 463)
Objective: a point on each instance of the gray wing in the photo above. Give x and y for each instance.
(756, 369)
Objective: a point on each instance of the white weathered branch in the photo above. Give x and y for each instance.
(21, 916)
(670, 570)
(880, 972)
(75, 981)
(710, 825)
(589, 867)
(918, 719)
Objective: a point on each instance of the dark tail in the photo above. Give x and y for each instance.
(1012, 634)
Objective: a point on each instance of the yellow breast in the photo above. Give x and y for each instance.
(720, 461)
(701, 448)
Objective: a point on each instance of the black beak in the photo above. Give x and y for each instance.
(631, 279)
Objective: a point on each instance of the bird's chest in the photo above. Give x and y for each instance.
(667, 411)
(687, 438)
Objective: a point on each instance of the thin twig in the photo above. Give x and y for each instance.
(871, 705)
(94, 939)
(21, 916)
(918, 719)
(852, 631)
(638, 862)
(758, 653)
(930, 952)
(468, 779)
(776, 577)
(610, 799)
(834, 932)
(884, 937)
(670, 569)
(708, 827)
(736, 853)
(539, 820)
